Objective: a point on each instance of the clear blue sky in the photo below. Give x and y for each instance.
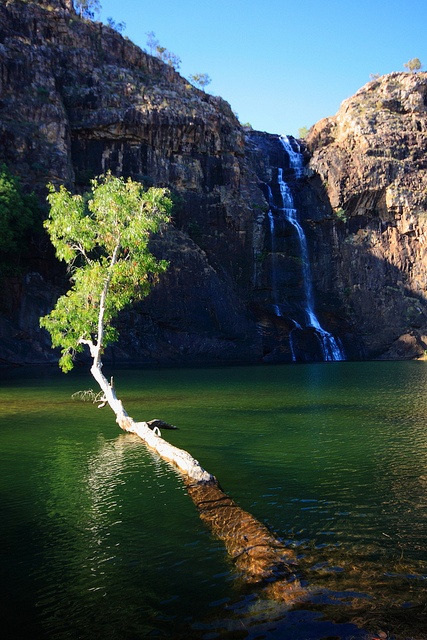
(281, 64)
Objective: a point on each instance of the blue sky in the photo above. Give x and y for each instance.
(281, 64)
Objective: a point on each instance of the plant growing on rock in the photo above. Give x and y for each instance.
(160, 52)
(87, 8)
(168, 57)
(341, 214)
(152, 42)
(19, 214)
(302, 133)
(117, 26)
(413, 65)
(201, 80)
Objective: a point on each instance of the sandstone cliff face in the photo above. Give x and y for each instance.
(371, 159)
(78, 99)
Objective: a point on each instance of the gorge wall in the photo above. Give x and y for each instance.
(78, 99)
(370, 160)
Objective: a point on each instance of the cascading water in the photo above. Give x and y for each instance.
(331, 350)
(273, 253)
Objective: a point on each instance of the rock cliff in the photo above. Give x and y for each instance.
(78, 99)
(371, 160)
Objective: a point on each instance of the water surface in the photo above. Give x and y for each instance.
(99, 538)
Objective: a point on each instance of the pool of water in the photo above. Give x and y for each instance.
(100, 539)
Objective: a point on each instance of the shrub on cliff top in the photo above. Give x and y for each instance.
(87, 8)
(413, 65)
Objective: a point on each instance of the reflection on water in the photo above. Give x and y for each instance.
(100, 538)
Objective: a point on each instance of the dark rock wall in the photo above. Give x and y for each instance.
(78, 99)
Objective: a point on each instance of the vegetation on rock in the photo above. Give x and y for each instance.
(19, 214)
(413, 65)
(87, 8)
(200, 80)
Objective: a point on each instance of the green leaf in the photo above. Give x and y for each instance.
(103, 237)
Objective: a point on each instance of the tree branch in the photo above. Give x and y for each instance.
(114, 257)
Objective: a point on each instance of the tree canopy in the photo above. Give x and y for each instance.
(87, 8)
(413, 65)
(201, 80)
(103, 238)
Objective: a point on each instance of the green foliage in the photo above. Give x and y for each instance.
(201, 80)
(19, 214)
(103, 237)
(302, 132)
(341, 214)
(161, 52)
(413, 65)
(168, 57)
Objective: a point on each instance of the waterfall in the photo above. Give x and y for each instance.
(296, 161)
(273, 255)
(331, 350)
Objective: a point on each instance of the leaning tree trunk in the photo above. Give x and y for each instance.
(259, 557)
(183, 460)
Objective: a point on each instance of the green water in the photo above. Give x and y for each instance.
(100, 540)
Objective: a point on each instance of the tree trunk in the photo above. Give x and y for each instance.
(183, 460)
(260, 558)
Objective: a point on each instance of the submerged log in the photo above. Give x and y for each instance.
(260, 558)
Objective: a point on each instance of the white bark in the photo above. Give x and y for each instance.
(96, 350)
(182, 459)
(259, 556)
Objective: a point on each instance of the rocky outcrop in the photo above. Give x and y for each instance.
(371, 160)
(78, 99)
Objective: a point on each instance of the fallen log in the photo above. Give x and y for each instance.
(259, 557)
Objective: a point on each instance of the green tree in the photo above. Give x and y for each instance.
(413, 65)
(160, 52)
(302, 132)
(103, 238)
(168, 57)
(87, 8)
(19, 214)
(200, 80)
